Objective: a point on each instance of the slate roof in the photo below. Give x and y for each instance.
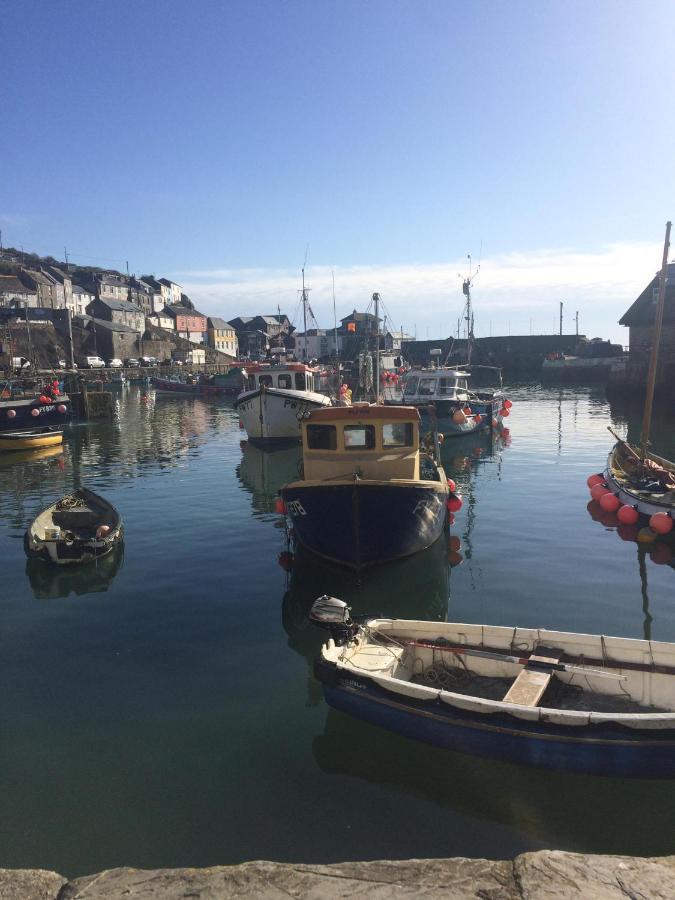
(167, 283)
(10, 283)
(177, 309)
(643, 310)
(220, 324)
(120, 305)
(112, 326)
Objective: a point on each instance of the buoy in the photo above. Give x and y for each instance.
(455, 558)
(102, 531)
(451, 518)
(508, 404)
(467, 410)
(495, 423)
(43, 399)
(35, 412)
(61, 408)
(661, 523)
(441, 438)
(503, 412)
(628, 515)
(11, 413)
(609, 502)
(458, 417)
(478, 418)
(592, 480)
(454, 503)
(455, 543)
(280, 506)
(451, 485)
(598, 490)
(285, 560)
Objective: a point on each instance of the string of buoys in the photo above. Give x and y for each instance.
(660, 523)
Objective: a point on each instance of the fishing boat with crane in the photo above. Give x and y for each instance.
(458, 410)
(637, 483)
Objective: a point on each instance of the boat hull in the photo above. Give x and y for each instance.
(27, 440)
(488, 411)
(594, 749)
(275, 414)
(363, 523)
(33, 414)
(166, 386)
(646, 504)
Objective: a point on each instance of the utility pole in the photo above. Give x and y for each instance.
(576, 316)
(561, 317)
(304, 313)
(65, 253)
(70, 338)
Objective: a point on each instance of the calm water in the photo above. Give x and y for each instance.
(160, 710)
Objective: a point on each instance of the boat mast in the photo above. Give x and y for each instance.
(466, 290)
(304, 313)
(656, 340)
(376, 300)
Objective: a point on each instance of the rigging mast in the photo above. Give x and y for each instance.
(467, 284)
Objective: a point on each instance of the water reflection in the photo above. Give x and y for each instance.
(263, 471)
(569, 812)
(414, 588)
(50, 582)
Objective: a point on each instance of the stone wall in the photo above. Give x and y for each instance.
(544, 875)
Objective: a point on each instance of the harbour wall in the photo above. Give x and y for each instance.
(516, 354)
(549, 874)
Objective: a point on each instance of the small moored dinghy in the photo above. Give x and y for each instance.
(31, 439)
(78, 527)
(572, 702)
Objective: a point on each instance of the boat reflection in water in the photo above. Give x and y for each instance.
(262, 471)
(417, 587)
(55, 582)
(553, 809)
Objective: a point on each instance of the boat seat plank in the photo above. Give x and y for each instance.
(528, 688)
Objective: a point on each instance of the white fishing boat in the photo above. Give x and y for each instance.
(559, 700)
(276, 399)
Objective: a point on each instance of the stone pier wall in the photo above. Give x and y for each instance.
(544, 875)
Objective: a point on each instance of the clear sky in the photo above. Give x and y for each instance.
(218, 143)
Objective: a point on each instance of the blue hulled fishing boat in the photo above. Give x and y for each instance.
(368, 494)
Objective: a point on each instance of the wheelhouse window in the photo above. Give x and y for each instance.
(284, 381)
(446, 387)
(251, 382)
(427, 387)
(397, 434)
(322, 437)
(265, 380)
(300, 381)
(359, 437)
(411, 386)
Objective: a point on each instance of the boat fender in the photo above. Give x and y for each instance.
(35, 412)
(102, 532)
(69, 538)
(11, 413)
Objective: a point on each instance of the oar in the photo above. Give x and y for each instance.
(520, 660)
(624, 444)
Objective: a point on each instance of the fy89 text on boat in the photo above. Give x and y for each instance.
(368, 493)
(564, 701)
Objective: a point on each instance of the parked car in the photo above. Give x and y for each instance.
(64, 364)
(131, 363)
(149, 361)
(115, 364)
(93, 362)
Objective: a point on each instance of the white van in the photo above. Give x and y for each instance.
(93, 362)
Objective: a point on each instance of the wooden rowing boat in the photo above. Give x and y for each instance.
(556, 700)
(31, 439)
(79, 527)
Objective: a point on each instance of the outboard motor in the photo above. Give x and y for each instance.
(334, 615)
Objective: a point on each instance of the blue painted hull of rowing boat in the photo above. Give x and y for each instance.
(592, 750)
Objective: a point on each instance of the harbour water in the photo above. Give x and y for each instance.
(160, 709)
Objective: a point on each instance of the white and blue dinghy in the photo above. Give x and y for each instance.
(570, 702)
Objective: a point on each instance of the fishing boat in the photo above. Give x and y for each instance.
(221, 384)
(275, 399)
(557, 700)
(31, 439)
(79, 527)
(637, 482)
(368, 493)
(458, 411)
(23, 408)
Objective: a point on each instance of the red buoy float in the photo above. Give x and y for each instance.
(285, 560)
(609, 502)
(661, 523)
(598, 490)
(592, 480)
(35, 412)
(451, 485)
(61, 408)
(280, 506)
(455, 544)
(454, 503)
(628, 515)
(11, 413)
(508, 404)
(503, 412)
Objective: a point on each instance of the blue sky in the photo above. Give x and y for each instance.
(216, 142)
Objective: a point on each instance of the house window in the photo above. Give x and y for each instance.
(321, 437)
(397, 434)
(359, 437)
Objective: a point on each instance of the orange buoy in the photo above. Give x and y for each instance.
(454, 503)
(455, 543)
(609, 502)
(661, 523)
(592, 480)
(628, 515)
(508, 404)
(280, 506)
(451, 485)
(598, 490)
